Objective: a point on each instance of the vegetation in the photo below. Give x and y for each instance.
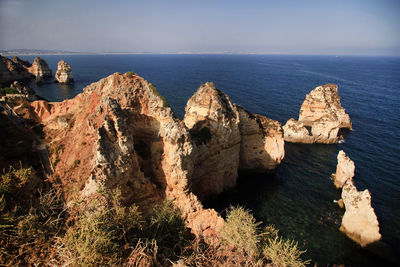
(100, 231)
(8, 90)
(130, 74)
(157, 93)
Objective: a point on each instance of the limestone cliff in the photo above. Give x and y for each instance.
(64, 73)
(227, 138)
(11, 71)
(120, 133)
(344, 169)
(359, 221)
(323, 113)
(40, 69)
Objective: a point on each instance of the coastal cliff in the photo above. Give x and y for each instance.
(227, 138)
(323, 113)
(12, 70)
(40, 69)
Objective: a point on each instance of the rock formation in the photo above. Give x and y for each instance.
(11, 71)
(323, 113)
(359, 221)
(40, 69)
(227, 138)
(24, 63)
(64, 74)
(120, 133)
(344, 169)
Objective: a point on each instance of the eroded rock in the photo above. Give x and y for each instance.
(344, 169)
(11, 71)
(64, 73)
(40, 69)
(359, 221)
(323, 113)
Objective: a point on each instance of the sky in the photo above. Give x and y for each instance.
(357, 27)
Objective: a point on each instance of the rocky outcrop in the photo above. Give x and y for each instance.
(359, 221)
(24, 63)
(227, 138)
(120, 133)
(323, 113)
(11, 71)
(40, 69)
(344, 169)
(64, 73)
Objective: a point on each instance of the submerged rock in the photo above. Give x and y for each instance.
(64, 74)
(359, 221)
(344, 169)
(227, 138)
(40, 69)
(323, 113)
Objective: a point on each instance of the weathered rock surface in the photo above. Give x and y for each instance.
(64, 73)
(344, 169)
(24, 63)
(323, 113)
(120, 133)
(11, 71)
(40, 69)
(359, 221)
(227, 138)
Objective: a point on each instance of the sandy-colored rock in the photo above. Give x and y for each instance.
(296, 132)
(11, 71)
(227, 138)
(344, 169)
(323, 113)
(40, 69)
(359, 221)
(120, 133)
(64, 73)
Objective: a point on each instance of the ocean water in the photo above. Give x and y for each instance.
(298, 196)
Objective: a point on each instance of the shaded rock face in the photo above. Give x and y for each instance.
(64, 73)
(344, 169)
(119, 133)
(323, 113)
(11, 71)
(227, 138)
(40, 69)
(359, 221)
(24, 63)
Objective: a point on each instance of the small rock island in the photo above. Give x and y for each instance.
(64, 73)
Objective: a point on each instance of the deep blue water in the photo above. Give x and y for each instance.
(298, 196)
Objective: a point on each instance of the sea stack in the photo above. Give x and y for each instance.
(64, 74)
(359, 220)
(227, 138)
(40, 69)
(323, 114)
(344, 169)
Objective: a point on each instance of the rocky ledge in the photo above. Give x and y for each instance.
(121, 133)
(11, 70)
(359, 220)
(64, 73)
(323, 114)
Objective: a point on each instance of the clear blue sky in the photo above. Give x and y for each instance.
(271, 26)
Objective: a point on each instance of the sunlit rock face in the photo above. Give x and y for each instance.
(120, 133)
(227, 138)
(64, 73)
(344, 169)
(323, 113)
(359, 220)
(40, 69)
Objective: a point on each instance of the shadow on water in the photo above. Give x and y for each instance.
(298, 198)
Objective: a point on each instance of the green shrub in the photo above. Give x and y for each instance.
(283, 252)
(8, 90)
(241, 230)
(130, 74)
(157, 93)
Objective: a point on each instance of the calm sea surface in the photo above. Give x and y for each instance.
(298, 196)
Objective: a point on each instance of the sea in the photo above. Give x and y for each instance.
(298, 197)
